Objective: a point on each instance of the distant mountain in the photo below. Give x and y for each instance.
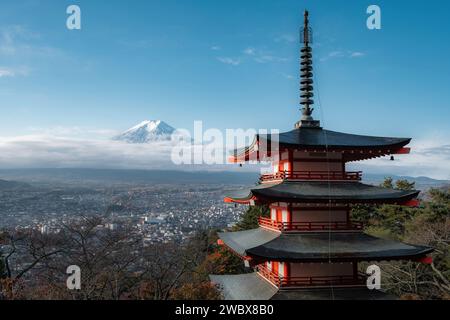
(172, 177)
(422, 183)
(130, 176)
(147, 131)
(12, 185)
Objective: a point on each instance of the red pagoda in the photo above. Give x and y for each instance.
(309, 247)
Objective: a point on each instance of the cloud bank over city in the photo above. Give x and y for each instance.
(71, 148)
(430, 157)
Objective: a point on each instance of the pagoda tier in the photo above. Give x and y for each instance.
(308, 261)
(266, 245)
(310, 139)
(252, 286)
(320, 192)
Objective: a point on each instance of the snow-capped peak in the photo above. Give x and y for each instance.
(147, 131)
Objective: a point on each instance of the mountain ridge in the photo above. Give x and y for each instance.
(147, 131)
(175, 176)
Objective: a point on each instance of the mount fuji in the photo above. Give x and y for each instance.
(147, 131)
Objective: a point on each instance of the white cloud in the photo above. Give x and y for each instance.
(250, 51)
(73, 132)
(266, 58)
(357, 54)
(74, 147)
(46, 151)
(9, 38)
(287, 38)
(230, 61)
(343, 54)
(261, 56)
(17, 40)
(288, 76)
(216, 48)
(429, 157)
(35, 151)
(13, 72)
(6, 73)
(252, 54)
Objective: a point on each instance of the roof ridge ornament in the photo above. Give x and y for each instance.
(306, 81)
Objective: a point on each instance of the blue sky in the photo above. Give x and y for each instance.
(156, 59)
(232, 64)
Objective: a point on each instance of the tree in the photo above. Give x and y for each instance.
(428, 225)
(404, 185)
(114, 264)
(197, 291)
(364, 214)
(249, 219)
(393, 219)
(401, 184)
(2, 267)
(222, 261)
(387, 183)
(406, 278)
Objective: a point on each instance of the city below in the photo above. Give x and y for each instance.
(160, 212)
(163, 206)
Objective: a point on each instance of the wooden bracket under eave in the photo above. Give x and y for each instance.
(403, 151)
(414, 203)
(426, 260)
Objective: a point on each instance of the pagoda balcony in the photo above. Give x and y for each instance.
(314, 281)
(308, 226)
(312, 175)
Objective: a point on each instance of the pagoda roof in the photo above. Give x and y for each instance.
(251, 286)
(318, 137)
(320, 191)
(319, 246)
(308, 138)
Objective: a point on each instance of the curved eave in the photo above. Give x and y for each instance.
(340, 147)
(261, 244)
(251, 286)
(400, 200)
(241, 241)
(245, 154)
(349, 155)
(353, 147)
(410, 255)
(319, 138)
(320, 192)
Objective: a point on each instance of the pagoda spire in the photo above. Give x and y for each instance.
(306, 74)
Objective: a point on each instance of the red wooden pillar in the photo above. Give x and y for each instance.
(275, 267)
(279, 215)
(289, 213)
(287, 270)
